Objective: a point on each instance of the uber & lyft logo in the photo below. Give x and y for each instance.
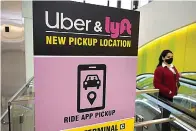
(116, 28)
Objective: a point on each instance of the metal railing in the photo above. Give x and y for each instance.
(15, 96)
(158, 121)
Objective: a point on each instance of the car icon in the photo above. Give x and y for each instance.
(91, 81)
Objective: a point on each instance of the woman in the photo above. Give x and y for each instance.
(166, 79)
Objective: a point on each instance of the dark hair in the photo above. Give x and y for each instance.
(163, 54)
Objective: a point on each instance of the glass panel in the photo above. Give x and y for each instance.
(146, 107)
(22, 114)
(28, 92)
(145, 81)
(186, 97)
(25, 93)
(186, 101)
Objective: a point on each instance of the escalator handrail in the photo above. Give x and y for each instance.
(152, 73)
(21, 90)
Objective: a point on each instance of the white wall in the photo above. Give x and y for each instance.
(160, 17)
(28, 30)
(13, 71)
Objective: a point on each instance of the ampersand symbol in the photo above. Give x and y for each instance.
(98, 27)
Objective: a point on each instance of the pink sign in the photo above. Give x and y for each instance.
(57, 90)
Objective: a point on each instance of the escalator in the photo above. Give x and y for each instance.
(150, 107)
(183, 107)
(186, 98)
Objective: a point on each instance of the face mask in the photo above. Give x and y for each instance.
(169, 61)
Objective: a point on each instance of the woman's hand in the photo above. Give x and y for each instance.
(170, 92)
(180, 74)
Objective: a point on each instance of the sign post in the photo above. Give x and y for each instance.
(85, 59)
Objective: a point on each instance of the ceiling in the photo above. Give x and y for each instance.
(11, 9)
(11, 16)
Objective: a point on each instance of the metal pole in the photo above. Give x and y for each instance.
(9, 115)
(135, 4)
(21, 120)
(119, 4)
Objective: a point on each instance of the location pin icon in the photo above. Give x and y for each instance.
(91, 96)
